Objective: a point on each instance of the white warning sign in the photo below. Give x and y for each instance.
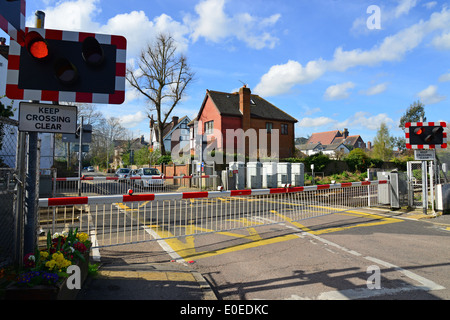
(37, 117)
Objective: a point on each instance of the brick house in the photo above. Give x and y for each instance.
(335, 137)
(243, 110)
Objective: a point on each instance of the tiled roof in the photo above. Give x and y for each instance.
(350, 140)
(228, 104)
(324, 138)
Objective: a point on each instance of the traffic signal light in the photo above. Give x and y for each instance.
(425, 135)
(56, 65)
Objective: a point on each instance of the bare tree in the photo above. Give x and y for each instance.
(106, 134)
(162, 76)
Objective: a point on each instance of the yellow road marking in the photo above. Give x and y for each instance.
(380, 221)
(186, 247)
(149, 275)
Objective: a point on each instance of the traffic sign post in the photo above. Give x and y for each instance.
(57, 65)
(424, 137)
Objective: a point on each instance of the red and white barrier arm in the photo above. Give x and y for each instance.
(132, 178)
(67, 201)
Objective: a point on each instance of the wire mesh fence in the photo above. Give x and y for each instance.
(8, 147)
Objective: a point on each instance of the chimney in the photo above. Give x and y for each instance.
(345, 133)
(369, 145)
(244, 106)
(175, 121)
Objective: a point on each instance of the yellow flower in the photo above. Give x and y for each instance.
(44, 255)
(50, 264)
(82, 236)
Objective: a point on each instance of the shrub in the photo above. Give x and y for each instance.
(164, 159)
(319, 160)
(357, 160)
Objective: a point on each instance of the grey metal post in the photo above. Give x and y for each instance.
(80, 149)
(432, 186)
(424, 187)
(32, 194)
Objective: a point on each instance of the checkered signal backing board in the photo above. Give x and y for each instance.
(408, 125)
(12, 84)
(16, 32)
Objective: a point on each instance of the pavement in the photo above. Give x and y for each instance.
(123, 277)
(146, 281)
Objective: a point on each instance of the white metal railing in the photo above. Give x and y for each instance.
(119, 219)
(94, 186)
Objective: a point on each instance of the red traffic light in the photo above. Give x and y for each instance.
(36, 45)
(418, 131)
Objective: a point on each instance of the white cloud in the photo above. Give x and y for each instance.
(132, 120)
(442, 42)
(316, 122)
(365, 120)
(210, 22)
(430, 5)
(360, 120)
(281, 78)
(377, 89)
(70, 15)
(213, 24)
(404, 7)
(140, 31)
(392, 48)
(444, 77)
(430, 95)
(338, 91)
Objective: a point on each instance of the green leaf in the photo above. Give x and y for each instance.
(79, 255)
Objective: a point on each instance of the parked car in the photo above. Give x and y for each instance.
(146, 175)
(122, 173)
(90, 169)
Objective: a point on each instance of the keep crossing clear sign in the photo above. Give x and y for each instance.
(50, 118)
(424, 154)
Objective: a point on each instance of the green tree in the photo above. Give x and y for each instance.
(383, 143)
(414, 113)
(357, 160)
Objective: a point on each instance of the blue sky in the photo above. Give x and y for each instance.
(317, 60)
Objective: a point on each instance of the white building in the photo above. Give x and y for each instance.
(175, 132)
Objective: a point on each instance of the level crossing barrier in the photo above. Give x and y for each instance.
(131, 218)
(104, 185)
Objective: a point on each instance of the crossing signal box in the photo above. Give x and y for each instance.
(425, 135)
(56, 65)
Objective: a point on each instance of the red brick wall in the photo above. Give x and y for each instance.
(221, 124)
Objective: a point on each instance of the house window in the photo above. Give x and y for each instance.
(284, 128)
(209, 126)
(269, 127)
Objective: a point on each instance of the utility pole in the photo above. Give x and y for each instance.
(80, 150)
(32, 194)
